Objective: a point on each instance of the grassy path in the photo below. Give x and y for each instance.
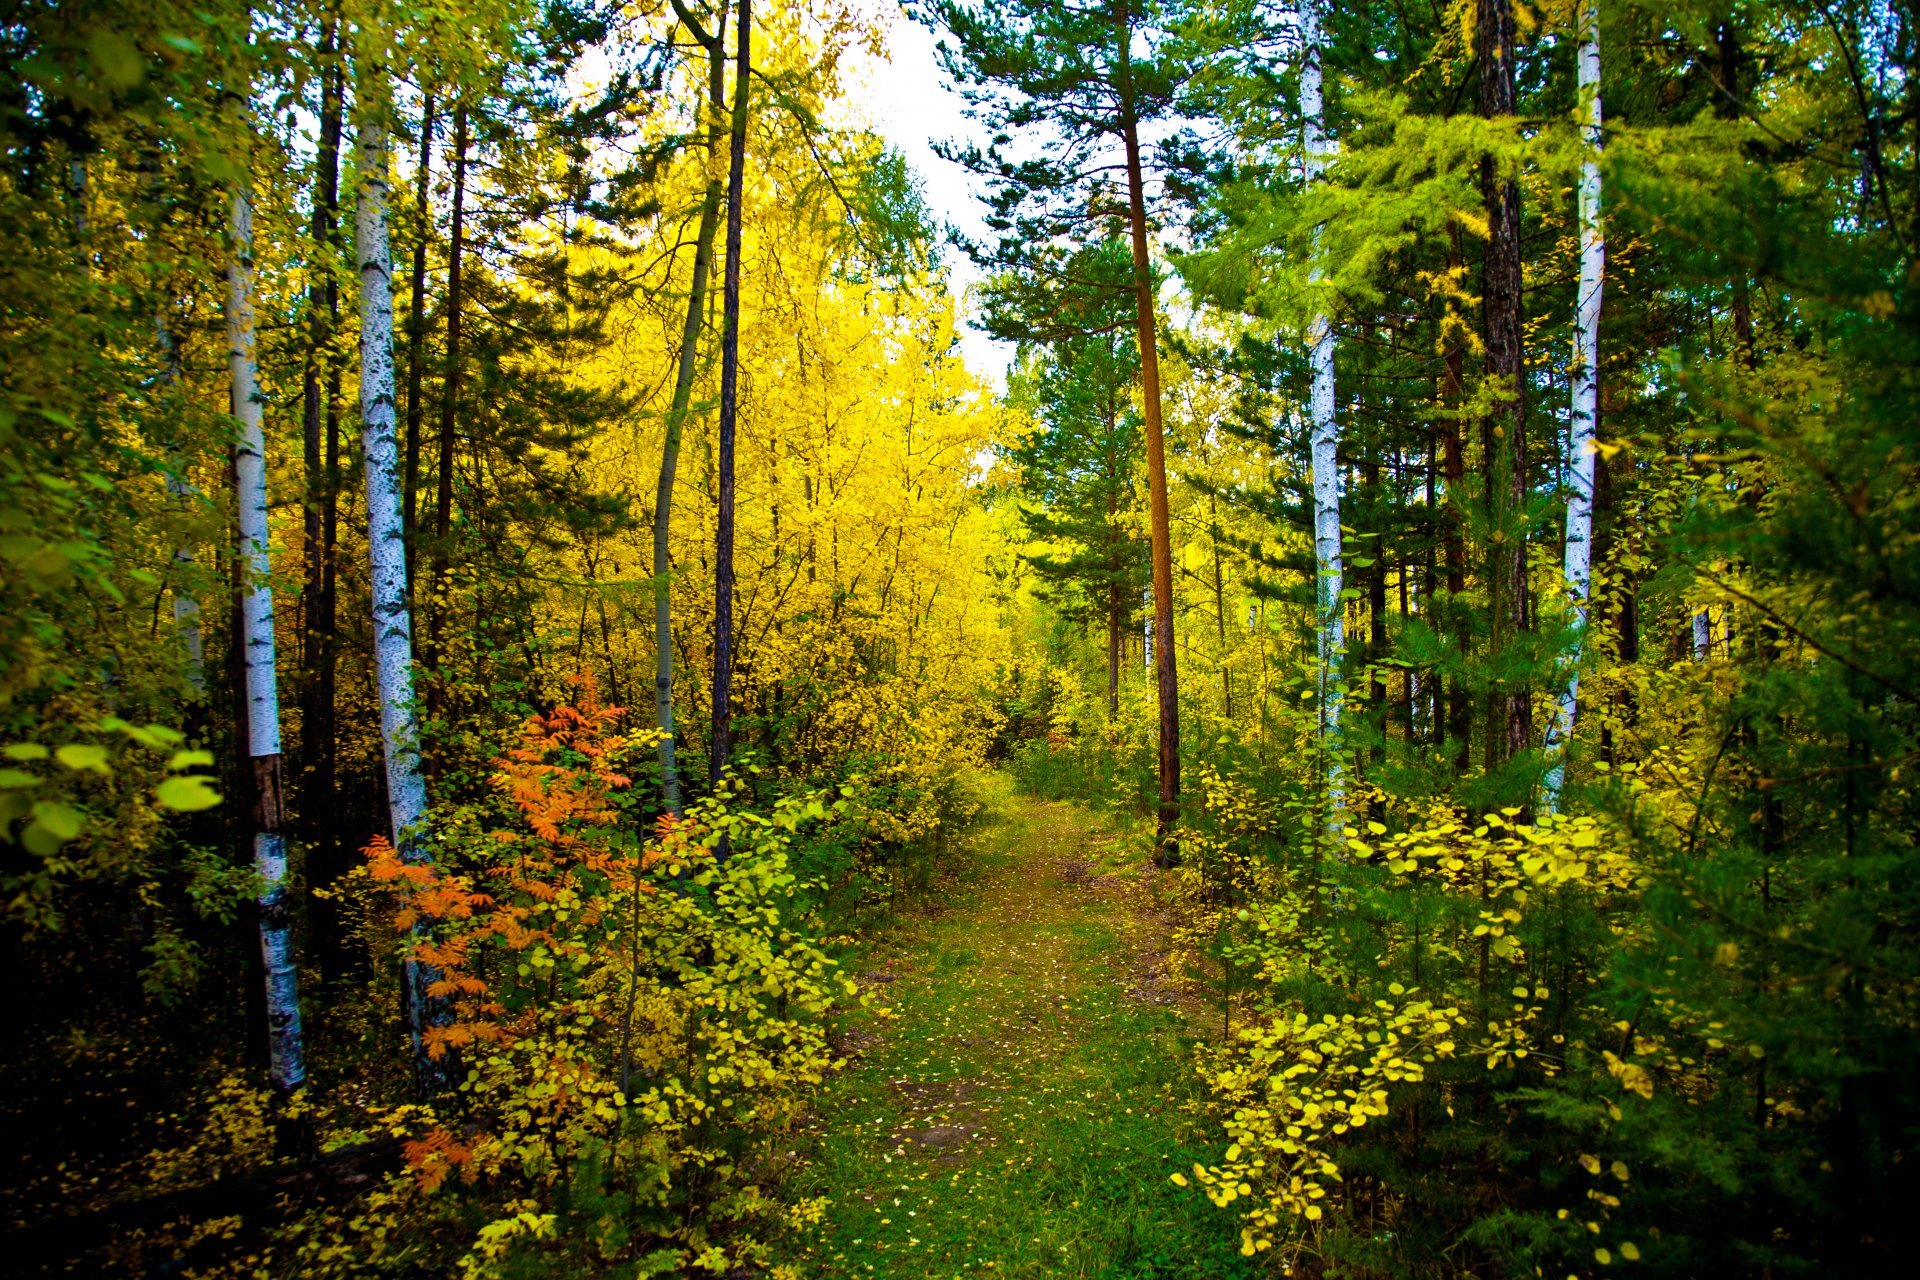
(1018, 1115)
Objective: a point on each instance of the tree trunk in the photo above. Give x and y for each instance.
(1578, 565)
(186, 607)
(1220, 610)
(722, 744)
(1329, 578)
(286, 1054)
(1160, 521)
(386, 551)
(417, 323)
(677, 411)
(449, 410)
(320, 448)
(1505, 427)
(1453, 463)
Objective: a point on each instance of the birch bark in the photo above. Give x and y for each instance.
(386, 543)
(1329, 576)
(286, 1055)
(1578, 564)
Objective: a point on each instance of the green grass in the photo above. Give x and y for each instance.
(1018, 1115)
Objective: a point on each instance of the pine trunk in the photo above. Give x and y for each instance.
(449, 412)
(320, 449)
(722, 743)
(1159, 520)
(1505, 427)
(417, 324)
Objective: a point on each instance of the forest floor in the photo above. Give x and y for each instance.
(1019, 1112)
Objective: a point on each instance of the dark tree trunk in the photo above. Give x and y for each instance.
(1160, 521)
(1454, 468)
(320, 440)
(715, 45)
(1504, 438)
(722, 744)
(449, 415)
(417, 330)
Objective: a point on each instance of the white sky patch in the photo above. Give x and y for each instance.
(906, 99)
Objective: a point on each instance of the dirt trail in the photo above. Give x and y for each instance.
(1019, 1113)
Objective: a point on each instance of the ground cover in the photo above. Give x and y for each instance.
(1018, 1111)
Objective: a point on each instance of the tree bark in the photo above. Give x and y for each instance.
(320, 436)
(449, 413)
(1505, 427)
(1324, 445)
(417, 323)
(677, 411)
(1159, 519)
(286, 1052)
(386, 550)
(1578, 564)
(722, 743)
(1453, 464)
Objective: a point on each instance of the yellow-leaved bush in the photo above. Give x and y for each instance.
(631, 1016)
(1327, 1046)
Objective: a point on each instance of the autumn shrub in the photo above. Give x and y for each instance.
(633, 1019)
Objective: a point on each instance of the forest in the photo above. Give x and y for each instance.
(560, 719)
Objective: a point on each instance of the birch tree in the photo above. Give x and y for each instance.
(1578, 567)
(386, 540)
(1329, 577)
(287, 1059)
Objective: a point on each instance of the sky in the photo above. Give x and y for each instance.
(908, 102)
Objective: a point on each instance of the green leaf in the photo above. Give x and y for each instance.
(17, 778)
(80, 755)
(62, 820)
(186, 793)
(25, 751)
(189, 759)
(117, 58)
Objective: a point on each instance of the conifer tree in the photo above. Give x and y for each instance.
(1030, 68)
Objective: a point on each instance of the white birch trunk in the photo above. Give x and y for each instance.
(287, 1058)
(1329, 578)
(1146, 633)
(1578, 568)
(1702, 636)
(386, 539)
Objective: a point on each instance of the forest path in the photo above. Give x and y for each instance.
(1019, 1114)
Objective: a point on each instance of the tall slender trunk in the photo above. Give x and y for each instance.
(1329, 573)
(1453, 464)
(449, 411)
(417, 323)
(1578, 565)
(286, 1052)
(1505, 427)
(1220, 609)
(386, 549)
(1160, 525)
(729, 403)
(677, 411)
(320, 430)
(186, 606)
(1115, 635)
